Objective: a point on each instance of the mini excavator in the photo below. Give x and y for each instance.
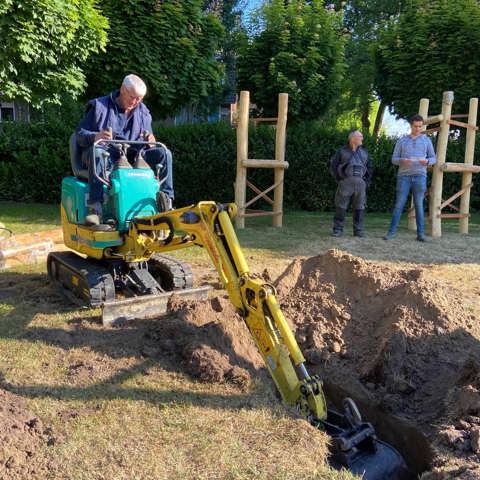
(122, 264)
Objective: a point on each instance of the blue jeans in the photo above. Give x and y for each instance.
(418, 185)
(157, 156)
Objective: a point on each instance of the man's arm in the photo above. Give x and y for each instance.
(398, 157)
(88, 130)
(146, 122)
(397, 152)
(334, 163)
(431, 157)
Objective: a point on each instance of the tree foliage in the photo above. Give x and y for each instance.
(171, 44)
(45, 45)
(432, 47)
(229, 12)
(295, 47)
(364, 20)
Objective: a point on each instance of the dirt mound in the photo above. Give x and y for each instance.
(212, 341)
(21, 436)
(395, 339)
(392, 334)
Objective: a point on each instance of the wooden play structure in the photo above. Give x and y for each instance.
(441, 124)
(244, 163)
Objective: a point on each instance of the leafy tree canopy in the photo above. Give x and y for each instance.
(45, 45)
(295, 47)
(171, 44)
(431, 48)
(363, 20)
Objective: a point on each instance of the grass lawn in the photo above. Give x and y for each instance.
(118, 414)
(304, 234)
(29, 217)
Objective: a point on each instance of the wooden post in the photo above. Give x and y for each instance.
(467, 176)
(423, 111)
(437, 178)
(280, 140)
(242, 155)
(243, 163)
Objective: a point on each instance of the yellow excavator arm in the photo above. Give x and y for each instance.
(209, 225)
(119, 255)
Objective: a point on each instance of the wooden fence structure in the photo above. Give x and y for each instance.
(441, 125)
(244, 163)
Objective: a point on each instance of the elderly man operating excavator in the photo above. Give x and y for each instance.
(120, 115)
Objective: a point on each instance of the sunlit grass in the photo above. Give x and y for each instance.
(123, 416)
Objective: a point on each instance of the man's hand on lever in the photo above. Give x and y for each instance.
(104, 135)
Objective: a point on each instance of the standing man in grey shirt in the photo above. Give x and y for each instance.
(352, 169)
(413, 154)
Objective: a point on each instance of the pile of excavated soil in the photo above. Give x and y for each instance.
(398, 337)
(21, 436)
(211, 340)
(394, 338)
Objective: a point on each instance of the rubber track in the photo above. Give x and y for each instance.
(97, 278)
(181, 272)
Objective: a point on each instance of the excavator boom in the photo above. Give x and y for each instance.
(207, 224)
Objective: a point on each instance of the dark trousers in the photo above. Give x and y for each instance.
(350, 189)
(157, 158)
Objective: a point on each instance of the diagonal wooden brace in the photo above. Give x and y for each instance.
(456, 123)
(455, 196)
(261, 194)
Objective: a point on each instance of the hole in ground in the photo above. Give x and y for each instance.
(403, 435)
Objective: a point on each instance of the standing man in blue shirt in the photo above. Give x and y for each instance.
(413, 154)
(120, 115)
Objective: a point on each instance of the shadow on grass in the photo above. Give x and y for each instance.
(112, 390)
(24, 296)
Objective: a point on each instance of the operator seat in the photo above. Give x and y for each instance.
(78, 168)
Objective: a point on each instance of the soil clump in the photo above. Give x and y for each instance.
(22, 435)
(211, 340)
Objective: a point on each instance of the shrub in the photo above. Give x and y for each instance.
(34, 158)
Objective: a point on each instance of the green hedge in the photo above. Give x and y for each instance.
(34, 158)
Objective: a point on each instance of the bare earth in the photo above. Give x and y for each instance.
(403, 340)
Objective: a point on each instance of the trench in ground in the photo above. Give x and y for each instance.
(402, 434)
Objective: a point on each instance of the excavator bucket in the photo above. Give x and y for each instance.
(356, 447)
(381, 464)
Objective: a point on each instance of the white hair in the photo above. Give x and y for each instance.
(354, 134)
(134, 83)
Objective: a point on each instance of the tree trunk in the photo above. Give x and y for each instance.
(379, 118)
(365, 110)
